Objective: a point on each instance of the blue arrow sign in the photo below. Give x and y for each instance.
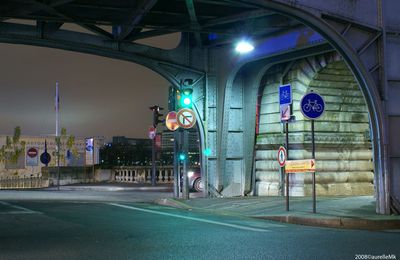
(312, 105)
(285, 94)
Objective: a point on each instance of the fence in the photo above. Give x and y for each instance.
(127, 174)
(142, 174)
(23, 183)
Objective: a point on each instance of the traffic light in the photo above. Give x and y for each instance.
(182, 156)
(156, 115)
(172, 98)
(186, 98)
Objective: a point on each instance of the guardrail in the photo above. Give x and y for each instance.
(23, 183)
(128, 174)
(142, 174)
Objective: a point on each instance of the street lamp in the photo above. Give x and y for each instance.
(244, 46)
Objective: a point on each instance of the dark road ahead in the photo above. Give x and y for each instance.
(78, 230)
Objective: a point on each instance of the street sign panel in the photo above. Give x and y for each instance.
(282, 156)
(186, 118)
(171, 121)
(300, 166)
(152, 132)
(285, 112)
(45, 158)
(312, 105)
(285, 94)
(32, 156)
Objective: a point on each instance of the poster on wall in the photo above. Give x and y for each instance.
(89, 151)
(32, 156)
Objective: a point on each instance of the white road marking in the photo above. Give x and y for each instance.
(190, 218)
(21, 210)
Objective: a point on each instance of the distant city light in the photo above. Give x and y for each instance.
(244, 47)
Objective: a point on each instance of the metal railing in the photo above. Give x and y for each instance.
(23, 183)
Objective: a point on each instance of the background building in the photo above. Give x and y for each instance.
(20, 157)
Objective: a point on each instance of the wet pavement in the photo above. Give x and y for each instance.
(357, 212)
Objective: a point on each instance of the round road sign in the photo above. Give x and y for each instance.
(312, 105)
(186, 118)
(282, 156)
(171, 122)
(45, 158)
(32, 152)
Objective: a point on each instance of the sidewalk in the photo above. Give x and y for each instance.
(339, 212)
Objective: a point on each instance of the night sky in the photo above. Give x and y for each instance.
(98, 96)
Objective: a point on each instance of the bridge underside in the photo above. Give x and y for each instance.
(345, 50)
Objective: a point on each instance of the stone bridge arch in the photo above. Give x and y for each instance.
(343, 145)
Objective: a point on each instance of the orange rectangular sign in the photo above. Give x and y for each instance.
(300, 166)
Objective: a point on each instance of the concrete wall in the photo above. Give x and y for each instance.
(74, 175)
(343, 149)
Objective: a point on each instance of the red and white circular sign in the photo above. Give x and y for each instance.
(186, 118)
(282, 156)
(32, 152)
(171, 121)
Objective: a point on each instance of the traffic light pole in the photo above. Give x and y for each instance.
(176, 165)
(153, 163)
(185, 188)
(156, 109)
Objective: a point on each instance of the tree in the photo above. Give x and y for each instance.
(11, 151)
(65, 143)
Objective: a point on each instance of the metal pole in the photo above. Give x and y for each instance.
(153, 162)
(287, 158)
(58, 163)
(313, 174)
(93, 160)
(57, 105)
(176, 165)
(185, 189)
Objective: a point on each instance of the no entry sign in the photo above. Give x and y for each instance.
(171, 121)
(32, 158)
(32, 152)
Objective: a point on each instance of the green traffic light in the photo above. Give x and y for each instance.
(186, 98)
(187, 101)
(182, 156)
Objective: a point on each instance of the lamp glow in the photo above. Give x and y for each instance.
(244, 47)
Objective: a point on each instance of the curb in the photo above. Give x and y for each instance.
(336, 222)
(339, 222)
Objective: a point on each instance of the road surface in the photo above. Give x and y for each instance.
(127, 230)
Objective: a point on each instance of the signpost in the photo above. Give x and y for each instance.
(285, 112)
(45, 158)
(312, 106)
(285, 103)
(186, 118)
(32, 156)
(152, 132)
(293, 166)
(282, 156)
(171, 121)
(285, 94)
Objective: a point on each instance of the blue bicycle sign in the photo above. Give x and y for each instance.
(312, 105)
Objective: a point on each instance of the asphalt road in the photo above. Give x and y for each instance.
(123, 230)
